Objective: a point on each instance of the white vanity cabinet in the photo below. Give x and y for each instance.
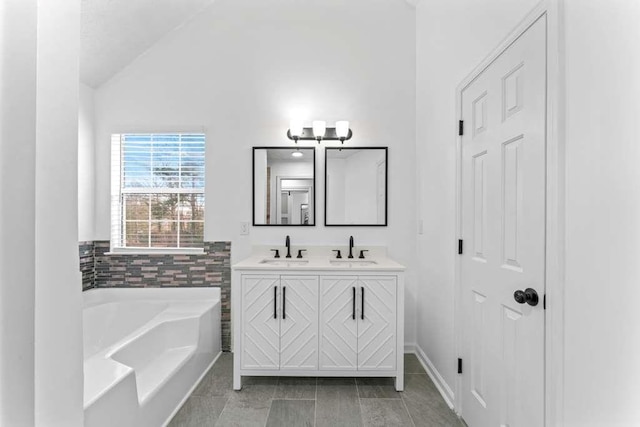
(318, 323)
(280, 322)
(358, 323)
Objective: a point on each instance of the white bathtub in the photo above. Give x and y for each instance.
(144, 352)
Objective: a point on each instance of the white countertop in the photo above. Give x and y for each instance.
(375, 261)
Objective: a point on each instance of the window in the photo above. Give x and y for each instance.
(157, 191)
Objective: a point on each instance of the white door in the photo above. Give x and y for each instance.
(503, 229)
(376, 323)
(260, 322)
(299, 322)
(338, 323)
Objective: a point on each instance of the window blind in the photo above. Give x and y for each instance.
(157, 190)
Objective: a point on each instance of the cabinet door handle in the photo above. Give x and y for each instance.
(284, 300)
(275, 302)
(353, 314)
(362, 302)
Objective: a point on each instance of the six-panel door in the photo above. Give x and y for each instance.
(260, 322)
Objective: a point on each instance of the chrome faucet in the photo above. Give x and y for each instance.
(287, 242)
(351, 247)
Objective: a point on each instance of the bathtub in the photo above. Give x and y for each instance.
(145, 350)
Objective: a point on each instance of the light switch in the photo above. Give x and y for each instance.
(420, 226)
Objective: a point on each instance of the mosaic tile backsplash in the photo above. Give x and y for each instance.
(213, 268)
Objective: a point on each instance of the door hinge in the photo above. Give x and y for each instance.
(459, 365)
(460, 127)
(459, 246)
(544, 302)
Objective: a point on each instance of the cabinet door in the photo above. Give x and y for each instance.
(299, 322)
(338, 327)
(260, 322)
(377, 323)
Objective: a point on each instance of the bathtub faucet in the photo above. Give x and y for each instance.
(287, 242)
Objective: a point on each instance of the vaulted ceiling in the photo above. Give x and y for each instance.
(115, 32)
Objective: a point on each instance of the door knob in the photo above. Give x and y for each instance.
(529, 295)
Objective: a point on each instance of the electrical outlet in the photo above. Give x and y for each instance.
(244, 228)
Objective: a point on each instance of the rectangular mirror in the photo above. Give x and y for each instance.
(356, 186)
(284, 184)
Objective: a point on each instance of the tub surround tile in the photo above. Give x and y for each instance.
(87, 264)
(211, 269)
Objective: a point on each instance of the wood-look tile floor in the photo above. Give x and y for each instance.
(285, 402)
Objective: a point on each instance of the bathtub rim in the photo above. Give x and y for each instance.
(96, 296)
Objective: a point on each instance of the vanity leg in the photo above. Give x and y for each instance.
(237, 381)
(400, 382)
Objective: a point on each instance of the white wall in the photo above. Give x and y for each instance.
(86, 161)
(40, 307)
(17, 210)
(58, 314)
(240, 69)
(452, 38)
(602, 336)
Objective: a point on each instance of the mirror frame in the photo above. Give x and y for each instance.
(386, 184)
(253, 186)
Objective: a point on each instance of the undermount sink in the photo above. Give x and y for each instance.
(352, 263)
(284, 263)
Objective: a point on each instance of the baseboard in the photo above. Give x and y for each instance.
(438, 380)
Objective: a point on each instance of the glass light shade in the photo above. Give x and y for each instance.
(319, 128)
(297, 154)
(295, 127)
(342, 129)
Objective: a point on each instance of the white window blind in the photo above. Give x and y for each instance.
(157, 190)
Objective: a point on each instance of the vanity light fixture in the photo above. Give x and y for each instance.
(295, 130)
(319, 131)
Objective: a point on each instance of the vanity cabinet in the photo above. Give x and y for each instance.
(358, 323)
(280, 322)
(318, 323)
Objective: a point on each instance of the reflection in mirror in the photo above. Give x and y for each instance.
(283, 186)
(356, 186)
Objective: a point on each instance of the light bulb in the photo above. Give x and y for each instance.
(295, 128)
(319, 129)
(342, 129)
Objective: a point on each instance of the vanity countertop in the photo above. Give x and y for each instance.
(316, 262)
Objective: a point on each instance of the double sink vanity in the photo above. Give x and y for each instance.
(318, 311)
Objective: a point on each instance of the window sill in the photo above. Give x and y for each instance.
(158, 251)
